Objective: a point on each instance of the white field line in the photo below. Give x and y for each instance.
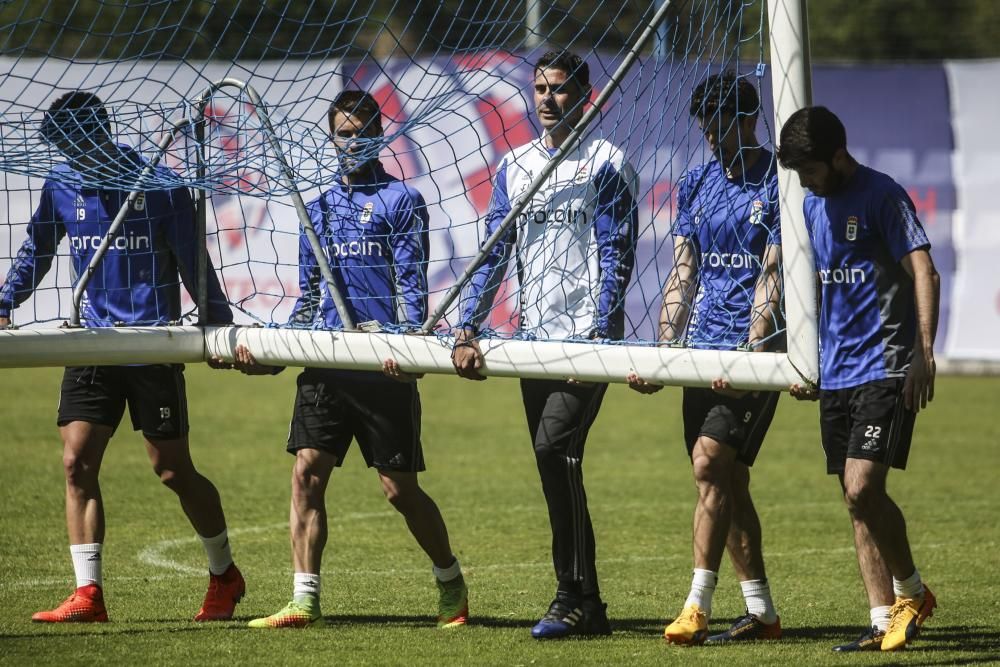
(155, 555)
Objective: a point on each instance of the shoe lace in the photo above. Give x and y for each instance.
(294, 607)
(871, 633)
(70, 600)
(558, 610)
(691, 614)
(896, 615)
(77, 597)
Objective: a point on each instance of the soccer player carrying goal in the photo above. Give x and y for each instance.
(722, 293)
(374, 231)
(879, 294)
(136, 283)
(575, 252)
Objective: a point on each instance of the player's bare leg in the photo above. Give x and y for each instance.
(868, 502)
(878, 586)
(743, 542)
(307, 521)
(874, 572)
(424, 520)
(712, 465)
(84, 445)
(421, 513)
(307, 517)
(171, 460)
(864, 484)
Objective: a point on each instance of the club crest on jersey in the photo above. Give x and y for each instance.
(757, 212)
(140, 202)
(582, 176)
(366, 213)
(852, 228)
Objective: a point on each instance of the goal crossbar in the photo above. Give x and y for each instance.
(584, 361)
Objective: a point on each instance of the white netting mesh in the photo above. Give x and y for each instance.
(454, 82)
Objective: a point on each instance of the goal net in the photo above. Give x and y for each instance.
(454, 81)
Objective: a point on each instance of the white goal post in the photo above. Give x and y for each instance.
(584, 361)
(418, 354)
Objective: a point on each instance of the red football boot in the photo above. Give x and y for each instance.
(224, 591)
(85, 605)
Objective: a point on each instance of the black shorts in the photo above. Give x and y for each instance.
(869, 421)
(332, 408)
(156, 398)
(740, 423)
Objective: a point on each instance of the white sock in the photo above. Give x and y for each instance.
(911, 587)
(446, 574)
(702, 587)
(219, 555)
(304, 584)
(757, 594)
(880, 617)
(87, 564)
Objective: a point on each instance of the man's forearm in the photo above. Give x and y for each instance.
(926, 297)
(674, 313)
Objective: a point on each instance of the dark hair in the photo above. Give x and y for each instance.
(811, 134)
(75, 115)
(356, 103)
(566, 61)
(724, 93)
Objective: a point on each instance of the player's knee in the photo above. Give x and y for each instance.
(168, 476)
(396, 497)
(401, 494)
(305, 481)
(173, 475)
(548, 454)
(311, 474)
(79, 470)
(862, 498)
(709, 471)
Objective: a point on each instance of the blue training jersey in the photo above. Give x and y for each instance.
(136, 282)
(730, 222)
(867, 323)
(374, 235)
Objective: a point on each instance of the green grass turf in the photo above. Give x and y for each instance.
(378, 595)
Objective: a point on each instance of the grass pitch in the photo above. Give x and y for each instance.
(378, 593)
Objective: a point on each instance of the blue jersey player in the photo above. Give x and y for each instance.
(879, 294)
(136, 283)
(575, 245)
(722, 294)
(373, 229)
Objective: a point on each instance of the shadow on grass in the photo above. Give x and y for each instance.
(934, 639)
(48, 631)
(643, 626)
(171, 625)
(981, 641)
